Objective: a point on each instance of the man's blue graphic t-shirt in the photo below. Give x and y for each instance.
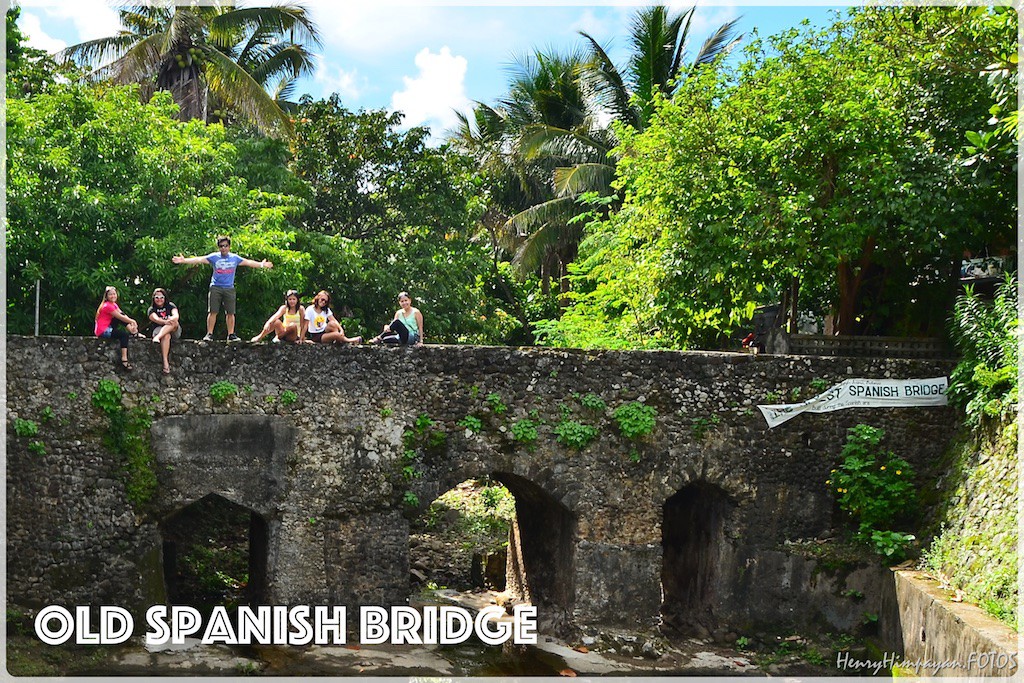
(223, 269)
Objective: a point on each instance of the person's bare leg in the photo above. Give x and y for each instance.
(165, 350)
(339, 336)
(211, 321)
(263, 333)
(229, 318)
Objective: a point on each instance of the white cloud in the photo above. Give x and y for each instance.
(37, 38)
(370, 28)
(708, 19)
(92, 18)
(432, 96)
(589, 23)
(335, 79)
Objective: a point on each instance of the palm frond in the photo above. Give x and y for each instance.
(549, 231)
(610, 91)
(227, 28)
(680, 27)
(185, 30)
(146, 19)
(277, 60)
(538, 140)
(282, 93)
(528, 221)
(572, 181)
(98, 51)
(718, 43)
(138, 64)
(241, 93)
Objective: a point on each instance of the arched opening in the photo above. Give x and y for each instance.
(541, 551)
(215, 553)
(461, 540)
(502, 533)
(692, 539)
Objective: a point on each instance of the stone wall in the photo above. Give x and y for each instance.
(937, 637)
(313, 445)
(975, 527)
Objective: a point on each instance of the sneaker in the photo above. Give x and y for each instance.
(234, 338)
(208, 337)
(276, 340)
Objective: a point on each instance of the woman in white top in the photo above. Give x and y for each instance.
(322, 326)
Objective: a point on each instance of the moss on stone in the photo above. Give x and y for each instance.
(974, 544)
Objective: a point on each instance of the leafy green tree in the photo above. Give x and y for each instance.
(824, 158)
(30, 70)
(195, 51)
(103, 190)
(389, 213)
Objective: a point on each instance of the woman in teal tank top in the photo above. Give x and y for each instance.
(410, 317)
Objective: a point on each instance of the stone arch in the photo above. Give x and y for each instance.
(541, 557)
(228, 522)
(242, 458)
(694, 551)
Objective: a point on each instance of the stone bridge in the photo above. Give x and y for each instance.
(709, 520)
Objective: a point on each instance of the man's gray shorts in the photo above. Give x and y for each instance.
(219, 296)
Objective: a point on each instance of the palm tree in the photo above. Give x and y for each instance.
(213, 59)
(550, 121)
(658, 44)
(545, 94)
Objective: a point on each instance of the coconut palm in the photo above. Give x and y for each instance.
(545, 94)
(544, 145)
(658, 44)
(213, 59)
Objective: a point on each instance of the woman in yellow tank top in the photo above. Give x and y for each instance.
(286, 323)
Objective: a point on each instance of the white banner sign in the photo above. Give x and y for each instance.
(864, 393)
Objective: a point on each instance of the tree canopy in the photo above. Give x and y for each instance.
(832, 158)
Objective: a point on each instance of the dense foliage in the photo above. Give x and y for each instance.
(853, 165)
(834, 162)
(987, 335)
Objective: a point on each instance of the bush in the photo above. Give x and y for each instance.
(876, 489)
(593, 402)
(25, 427)
(575, 434)
(984, 382)
(472, 423)
(524, 431)
(221, 391)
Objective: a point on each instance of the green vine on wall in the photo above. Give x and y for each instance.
(127, 436)
(221, 391)
(424, 435)
(635, 419)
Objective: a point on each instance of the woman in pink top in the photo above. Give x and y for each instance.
(109, 319)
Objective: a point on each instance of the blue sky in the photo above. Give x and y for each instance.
(428, 59)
